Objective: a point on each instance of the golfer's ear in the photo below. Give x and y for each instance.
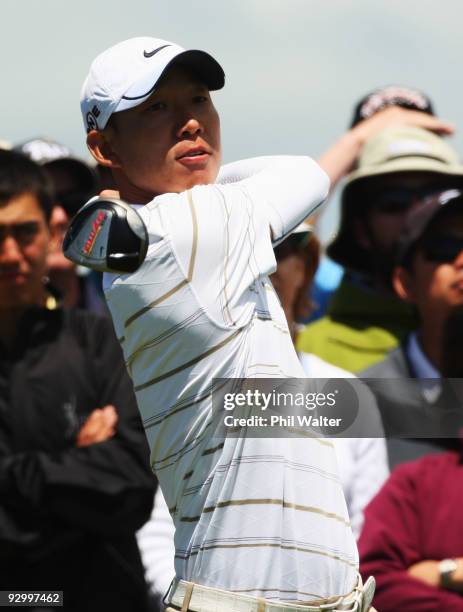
(402, 281)
(100, 145)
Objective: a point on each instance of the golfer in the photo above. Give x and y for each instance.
(261, 524)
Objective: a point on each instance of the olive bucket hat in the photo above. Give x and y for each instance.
(392, 151)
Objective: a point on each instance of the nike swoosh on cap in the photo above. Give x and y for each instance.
(151, 53)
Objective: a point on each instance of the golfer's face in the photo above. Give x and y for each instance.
(171, 142)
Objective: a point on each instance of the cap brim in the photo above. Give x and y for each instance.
(436, 211)
(406, 164)
(420, 220)
(200, 62)
(303, 228)
(302, 233)
(345, 249)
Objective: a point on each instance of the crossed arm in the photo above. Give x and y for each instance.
(100, 486)
(391, 548)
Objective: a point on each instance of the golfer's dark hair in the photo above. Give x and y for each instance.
(20, 175)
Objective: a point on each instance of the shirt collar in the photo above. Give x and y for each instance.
(423, 369)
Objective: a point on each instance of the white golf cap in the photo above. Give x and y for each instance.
(126, 74)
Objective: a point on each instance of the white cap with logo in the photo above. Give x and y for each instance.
(126, 74)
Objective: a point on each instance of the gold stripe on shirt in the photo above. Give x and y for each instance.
(268, 502)
(184, 282)
(155, 302)
(226, 308)
(272, 545)
(162, 337)
(194, 247)
(188, 364)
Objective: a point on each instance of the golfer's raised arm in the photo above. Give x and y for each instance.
(292, 188)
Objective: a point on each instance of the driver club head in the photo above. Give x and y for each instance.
(107, 235)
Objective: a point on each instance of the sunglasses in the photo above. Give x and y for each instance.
(398, 200)
(23, 233)
(443, 248)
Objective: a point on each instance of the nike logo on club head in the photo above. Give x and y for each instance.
(151, 53)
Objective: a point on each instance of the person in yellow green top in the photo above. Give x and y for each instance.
(364, 321)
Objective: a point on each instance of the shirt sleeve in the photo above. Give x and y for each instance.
(156, 543)
(370, 473)
(291, 187)
(390, 544)
(221, 234)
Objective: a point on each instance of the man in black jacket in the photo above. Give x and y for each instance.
(75, 481)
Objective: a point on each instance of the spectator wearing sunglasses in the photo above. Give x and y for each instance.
(365, 320)
(430, 278)
(74, 182)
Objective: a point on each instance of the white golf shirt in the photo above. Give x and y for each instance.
(263, 517)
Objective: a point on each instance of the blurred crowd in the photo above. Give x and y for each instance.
(79, 505)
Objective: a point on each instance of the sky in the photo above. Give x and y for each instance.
(294, 68)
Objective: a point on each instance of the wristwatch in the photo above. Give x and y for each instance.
(446, 568)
